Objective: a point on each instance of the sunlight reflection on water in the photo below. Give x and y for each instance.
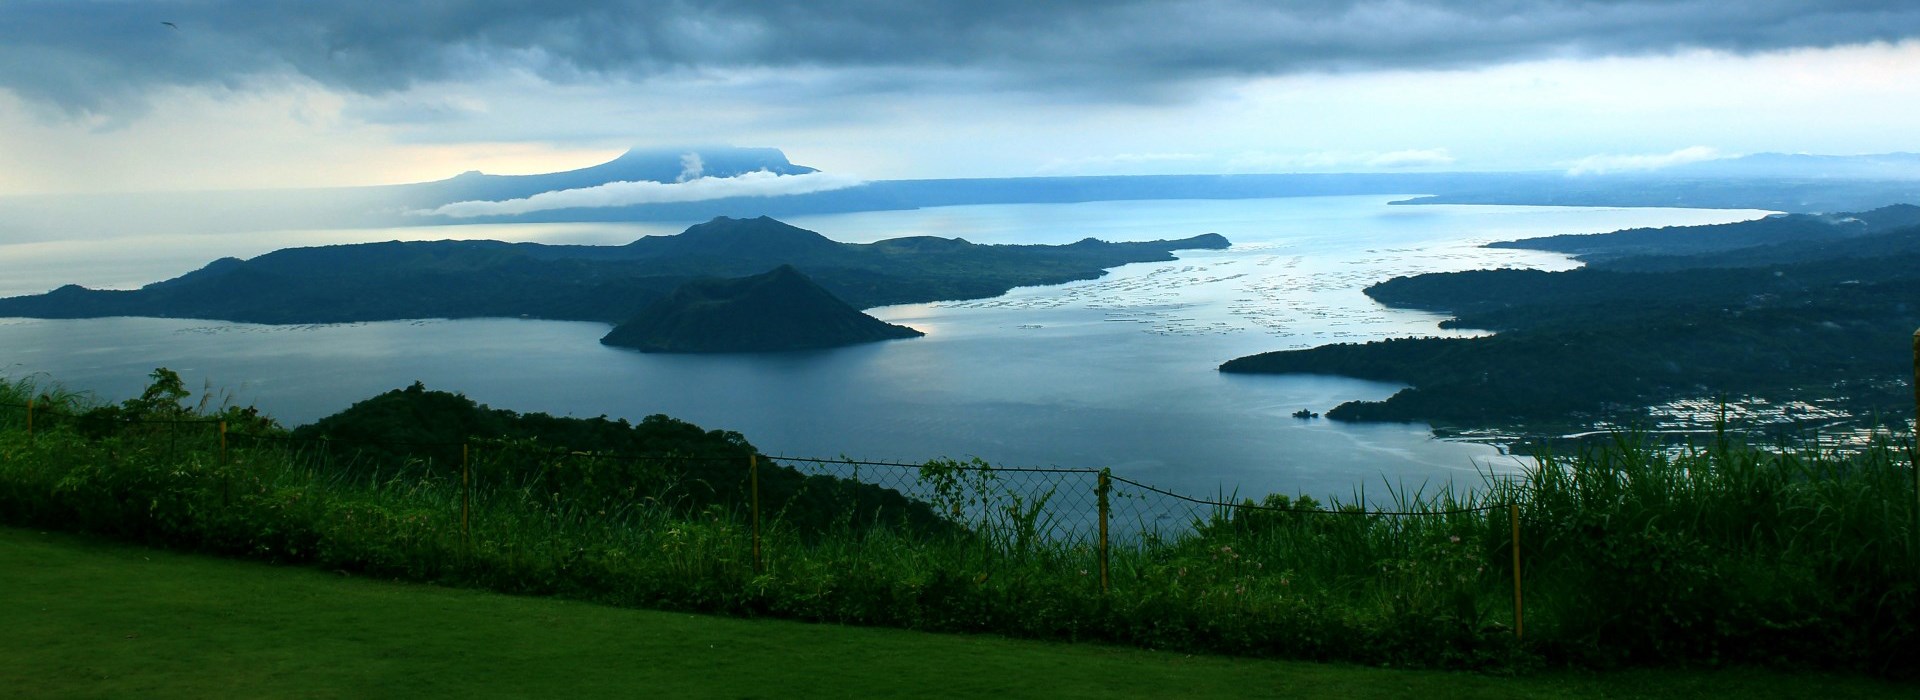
(1117, 371)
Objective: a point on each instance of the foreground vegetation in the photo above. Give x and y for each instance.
(202, 627)
(1631, 557)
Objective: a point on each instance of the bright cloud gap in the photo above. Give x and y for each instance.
(759, 183)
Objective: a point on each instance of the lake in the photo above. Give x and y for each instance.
(1115, 372)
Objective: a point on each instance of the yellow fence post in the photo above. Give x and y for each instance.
(1513, 514)
(466, 499)
(1106, 484)
(753, 483)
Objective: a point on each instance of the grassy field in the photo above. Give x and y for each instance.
(87, 618)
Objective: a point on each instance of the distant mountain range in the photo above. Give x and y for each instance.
(636, 165)
(1780, 182)
(777, 311)
(1763, 178)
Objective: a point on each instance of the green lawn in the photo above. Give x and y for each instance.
(81, 618)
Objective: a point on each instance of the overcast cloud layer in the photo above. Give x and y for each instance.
(170, 95)
(104, 56)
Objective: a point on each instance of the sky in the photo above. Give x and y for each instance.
(131, 95)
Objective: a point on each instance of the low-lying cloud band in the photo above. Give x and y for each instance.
(619, 194)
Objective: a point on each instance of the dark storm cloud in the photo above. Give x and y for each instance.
(99, 55)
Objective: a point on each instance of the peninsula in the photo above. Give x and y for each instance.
(608, 284)
(1812, 313)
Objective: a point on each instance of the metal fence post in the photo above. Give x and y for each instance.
(223, 442)
(1105, 485)
(1513, 514)
(30, 404)
(753, 483)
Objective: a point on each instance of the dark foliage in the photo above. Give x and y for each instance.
(417, 433)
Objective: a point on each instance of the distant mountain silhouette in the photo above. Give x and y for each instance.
(775, 311)
(1788, 183)
(656, 165)
(762, 238)
(463, 279)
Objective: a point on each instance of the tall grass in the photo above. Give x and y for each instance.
(1726, 552)
(1630, 555)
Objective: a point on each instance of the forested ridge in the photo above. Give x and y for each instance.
(413, 432)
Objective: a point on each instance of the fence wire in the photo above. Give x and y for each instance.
(1085, 519)
(1022, 503)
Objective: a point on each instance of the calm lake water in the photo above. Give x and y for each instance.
(1116, 372)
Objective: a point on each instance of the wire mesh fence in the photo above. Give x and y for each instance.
(1043, 504)
(1110, 528)
(1624, 548)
